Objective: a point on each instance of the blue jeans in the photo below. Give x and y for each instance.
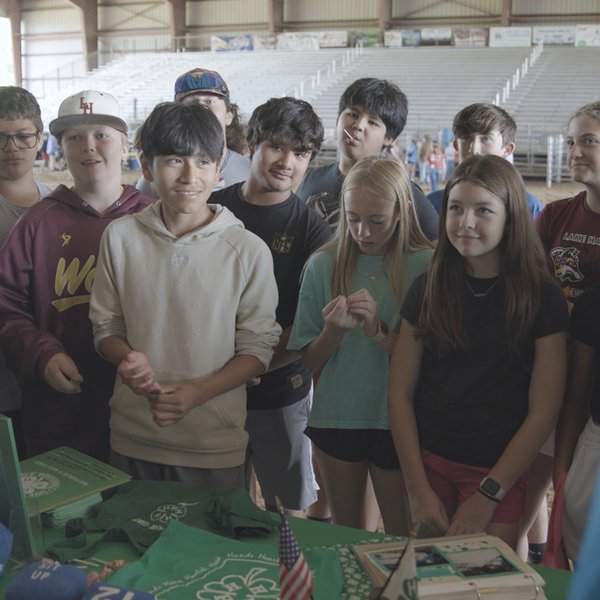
(434, 178)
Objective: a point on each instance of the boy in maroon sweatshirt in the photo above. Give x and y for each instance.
(46, 273)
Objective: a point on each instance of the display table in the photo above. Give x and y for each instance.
(308, 534)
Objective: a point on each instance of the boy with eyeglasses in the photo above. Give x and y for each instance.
(47, 268)
(21, 137)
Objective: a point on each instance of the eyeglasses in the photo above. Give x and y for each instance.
(22, 141)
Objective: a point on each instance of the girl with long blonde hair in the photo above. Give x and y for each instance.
(345, 325)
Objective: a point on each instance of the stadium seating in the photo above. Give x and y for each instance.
(437, 80)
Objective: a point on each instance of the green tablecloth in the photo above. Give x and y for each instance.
(309, 534)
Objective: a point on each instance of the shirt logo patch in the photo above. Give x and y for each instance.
(73, 277)
(282, 243)
(566, 264)
(179, 260)
(66, 238)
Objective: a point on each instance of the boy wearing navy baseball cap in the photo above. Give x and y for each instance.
(46, 272)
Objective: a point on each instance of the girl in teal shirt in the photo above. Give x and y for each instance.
(345, 323)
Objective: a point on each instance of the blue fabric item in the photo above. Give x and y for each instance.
(47, 582)
(114, 592)
(6, 542)
(535, 205)
(585, 583)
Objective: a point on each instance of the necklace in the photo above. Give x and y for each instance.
(373, 275)
(481, 294)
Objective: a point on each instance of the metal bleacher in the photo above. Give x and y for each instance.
(140, 81)
(438, 82)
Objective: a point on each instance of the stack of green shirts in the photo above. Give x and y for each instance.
(63, 484)
(58, 517)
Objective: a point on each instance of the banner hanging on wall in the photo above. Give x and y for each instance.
(587, 35)
(231, 43)
(436, 36)
(554, 35)
(470, 37)
(510, 37)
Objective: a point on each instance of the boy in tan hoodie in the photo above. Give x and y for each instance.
(184, 305)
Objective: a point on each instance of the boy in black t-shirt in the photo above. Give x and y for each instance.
(283, 135)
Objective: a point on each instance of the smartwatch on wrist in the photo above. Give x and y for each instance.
(381, 333)
(491, 489)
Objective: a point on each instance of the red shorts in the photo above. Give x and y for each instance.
(455, 482)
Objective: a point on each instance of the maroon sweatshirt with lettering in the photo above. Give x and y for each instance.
(47, 269)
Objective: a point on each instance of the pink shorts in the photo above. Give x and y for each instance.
(455, 482)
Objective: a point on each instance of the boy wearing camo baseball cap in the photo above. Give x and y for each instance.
(202, 86)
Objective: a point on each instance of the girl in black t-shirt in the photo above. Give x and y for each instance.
(478, 370)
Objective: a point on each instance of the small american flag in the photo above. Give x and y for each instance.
(295, 579)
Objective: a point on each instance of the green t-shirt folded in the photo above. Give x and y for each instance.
(187, 563)
(139, 511)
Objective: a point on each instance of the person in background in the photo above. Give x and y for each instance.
(21, 137)
(450, 156)
(201, 86)
(423, 150)
(371, 115)
(54, 153)
(47, 267)
(569, 228)
(569, 231)
(578, 431)
(435, 165)
(484, 129)
(412, 156)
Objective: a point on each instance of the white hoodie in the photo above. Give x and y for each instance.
(190, 304)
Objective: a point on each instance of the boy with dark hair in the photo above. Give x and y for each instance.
(46, 272)
(201, 86)
(484, 129)
(371, 115)
(179, 406)
(21, 136)
(283, 135)
(484, 119)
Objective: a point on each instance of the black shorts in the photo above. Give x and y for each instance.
(356, 445)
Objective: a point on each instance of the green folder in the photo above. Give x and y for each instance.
(62, 476)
